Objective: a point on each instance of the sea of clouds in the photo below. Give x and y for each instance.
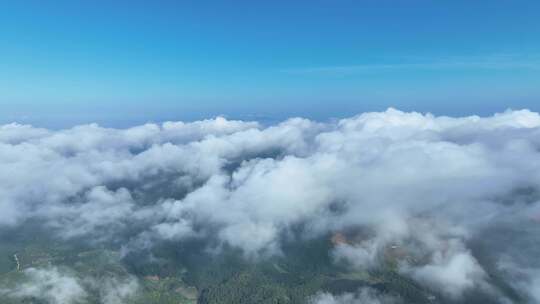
(433, 185)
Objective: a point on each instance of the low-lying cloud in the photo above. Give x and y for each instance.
(363, 296)
(426, 184)
(55, 285)
(50, 285)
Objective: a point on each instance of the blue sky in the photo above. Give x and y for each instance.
(125, 62)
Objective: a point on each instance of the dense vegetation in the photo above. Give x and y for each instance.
(189, 273)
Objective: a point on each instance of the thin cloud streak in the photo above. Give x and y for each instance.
(491, 63)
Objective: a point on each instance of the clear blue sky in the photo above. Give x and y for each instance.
(123, 62)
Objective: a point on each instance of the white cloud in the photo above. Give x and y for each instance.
(238, 183)
(64, 286)
(363, 296)
(50, 285)
(117, 291)
(451, 270)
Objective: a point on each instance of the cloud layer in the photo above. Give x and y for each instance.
(62, 286)
(363, 296)
(424, 184)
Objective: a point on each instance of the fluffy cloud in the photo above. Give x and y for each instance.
(428, 184)
(50, 285)
(451, 270)
(115, 290)
(63, 286)
(363, 296)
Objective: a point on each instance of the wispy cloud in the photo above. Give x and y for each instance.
(492, 62)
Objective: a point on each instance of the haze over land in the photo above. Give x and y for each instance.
(450, 206)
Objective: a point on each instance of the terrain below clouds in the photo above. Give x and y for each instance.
(383, 207)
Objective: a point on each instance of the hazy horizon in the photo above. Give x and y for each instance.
(121, 63)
